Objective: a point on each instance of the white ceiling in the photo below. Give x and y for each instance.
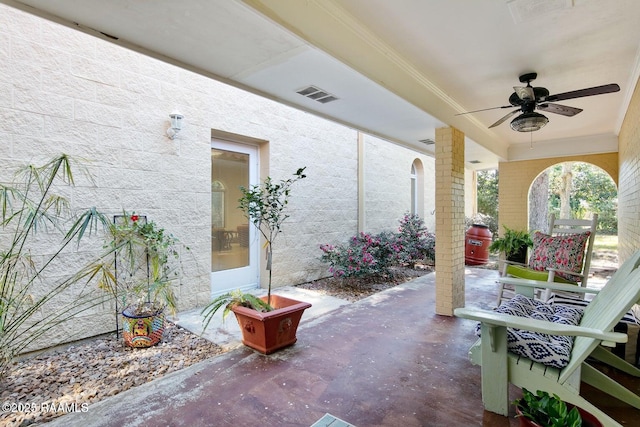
(399, 68)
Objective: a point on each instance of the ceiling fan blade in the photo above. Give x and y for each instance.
(597, 90)
(504, 118)
(559, 109)
(524, 93)
(484, 109)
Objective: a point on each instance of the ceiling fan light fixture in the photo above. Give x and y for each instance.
(529, 122)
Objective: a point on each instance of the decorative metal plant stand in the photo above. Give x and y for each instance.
(137, 330)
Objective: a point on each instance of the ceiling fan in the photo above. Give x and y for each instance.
(527, 99)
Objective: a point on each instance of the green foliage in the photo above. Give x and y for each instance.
(373, 254)
(490, 221)
(264, 205)
(546, 410)
(31, 211)
(230, 300)
(593, 191)
(511, 242)
(597, 189)
(487, 190)
(416, 242)
(135, 242)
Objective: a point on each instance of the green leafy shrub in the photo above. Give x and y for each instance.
(511, 242)
(416, 242)
(547, 410)
(149, 265)
(230, 300)
(490, 221)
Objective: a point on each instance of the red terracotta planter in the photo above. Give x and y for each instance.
(273, 330)
(588, 419)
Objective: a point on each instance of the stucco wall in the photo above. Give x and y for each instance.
(64, 91)
(629, 180)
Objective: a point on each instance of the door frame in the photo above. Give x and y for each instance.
(248, 277)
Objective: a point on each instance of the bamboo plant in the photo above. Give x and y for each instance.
(31, 291)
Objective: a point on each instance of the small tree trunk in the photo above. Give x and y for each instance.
(269, 257)
(565, 192)
(539, 203)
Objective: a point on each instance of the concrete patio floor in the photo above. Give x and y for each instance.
(387, 360)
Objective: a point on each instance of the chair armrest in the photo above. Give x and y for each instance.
(521, 264)
(507, 263)
(572, 273)
(536, 325)
(554, 286)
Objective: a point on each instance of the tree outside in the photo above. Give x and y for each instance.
(569, 189)
(580, 189)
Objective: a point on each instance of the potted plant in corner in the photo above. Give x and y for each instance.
(141, 277)
(544, 410)
(514, 244)
(267, 323)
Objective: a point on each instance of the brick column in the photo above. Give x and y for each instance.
(450, 224)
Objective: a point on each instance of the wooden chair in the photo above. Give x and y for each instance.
(557, 227)
(499, 367)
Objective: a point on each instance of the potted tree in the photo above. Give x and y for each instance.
(544, 410)
(268, 323)
(142, 276)
(514, 244)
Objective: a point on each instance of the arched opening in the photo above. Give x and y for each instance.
(575, 189)
(516, 178)
(417, 188)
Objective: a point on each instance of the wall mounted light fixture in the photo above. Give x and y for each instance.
(176, 124)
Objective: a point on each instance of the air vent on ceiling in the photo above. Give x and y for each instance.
(427, 141)
(317, 94)
(474, 162)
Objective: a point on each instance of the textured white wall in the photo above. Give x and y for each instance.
(64, 91)
(387, 173)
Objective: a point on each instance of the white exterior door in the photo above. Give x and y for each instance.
(234, 241)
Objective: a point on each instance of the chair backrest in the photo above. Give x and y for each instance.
(559, 226)
(606, 309)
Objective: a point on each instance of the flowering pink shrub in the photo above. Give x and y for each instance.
(417, 242)
(364, 254)
(367, 254)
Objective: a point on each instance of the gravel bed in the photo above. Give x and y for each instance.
(42, 387)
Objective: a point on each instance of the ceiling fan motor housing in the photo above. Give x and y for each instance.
(529, 122)
(539, 93)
